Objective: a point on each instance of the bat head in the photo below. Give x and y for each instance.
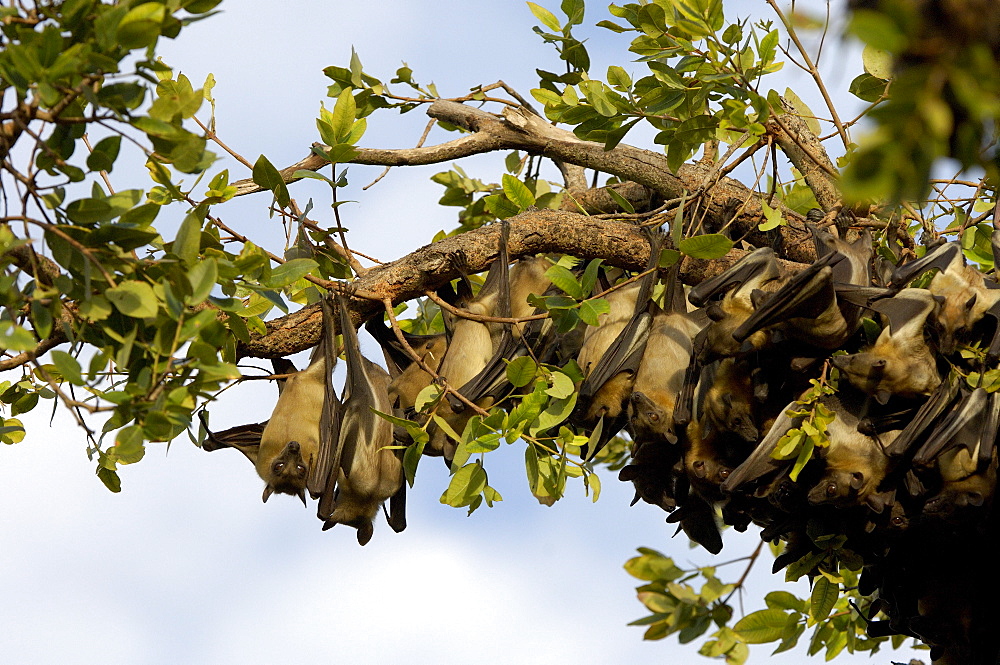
(738, 418)
(652, 417)
(287, 473)
(839, 487)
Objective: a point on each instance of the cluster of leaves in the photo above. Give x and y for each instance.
(944, 102)
(149, 342)
(814, 417)
(702, 80)
(679, 607)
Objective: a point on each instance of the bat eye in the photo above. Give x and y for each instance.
(831, 489)
(653, 416)
(700, 464)
(724, 473)
(301, 469)
(278, 466)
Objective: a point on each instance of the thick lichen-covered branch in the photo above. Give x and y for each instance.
(535, 232)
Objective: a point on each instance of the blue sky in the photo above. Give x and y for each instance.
(187, 565)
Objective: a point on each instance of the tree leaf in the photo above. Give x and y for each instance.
(133, 298)
(517, 192)
(68, 367)
(521, 371)
(762, 626)
(290, 271)
(823, 598)
(708, 246)
(547, 18)
(268, 177)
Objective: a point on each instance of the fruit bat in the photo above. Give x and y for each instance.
(966, 295)
(855, 464)
(728, 404)
(368, 472)
(408, 377)
(707, 462)
(757, 271)
(660, 377)
(611, 355)
(527, 277)
(696, 517)
(806, 307)
(900, 362)
(292, 450)
(288, 456)
(472, 344)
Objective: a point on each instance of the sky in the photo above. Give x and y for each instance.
(187, 564)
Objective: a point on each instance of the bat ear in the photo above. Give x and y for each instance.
(727, 399)
(365, 532)
(268, 491)
(302, 497)
(857, 480)
(971, 302)
(882, 397)
(974, 499)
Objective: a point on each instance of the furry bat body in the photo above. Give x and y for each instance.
(806, 307)
(660, 377)
(900, 362)
(369, 472)
(290, 443)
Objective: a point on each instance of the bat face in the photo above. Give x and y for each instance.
(838, 487)
(289, 445)
(652, 417)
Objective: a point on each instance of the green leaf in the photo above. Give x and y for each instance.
(867, 87)
(133, 298)
(105, 153)
(762, 626)
(290, 271)
(141, 26)
(110, 479)
(622, 202)
(187, 244)
(202, 278)
(517, 192)
(268, 177)
(824, 597)
(68, 367)
(501, 206)
(467, 484)
(619, 78)
(708, 246)
(521, 371)
(565, 280)
(343, 116)
(591, 310)
(773, 218)
(547, 18)
(877, 62)
(562, 386)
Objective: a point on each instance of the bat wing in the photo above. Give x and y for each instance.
(904, 308)
(970, 409)
(758, 265)
(282, 366)
(397, 510)
(684, 408)
(940, 257)
(926, 416)
(625, 353)
(697, 519)
(323, 474)
(244, 438)
(760, 462)
(806, 295)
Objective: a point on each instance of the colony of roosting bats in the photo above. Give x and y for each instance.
(761, 395)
